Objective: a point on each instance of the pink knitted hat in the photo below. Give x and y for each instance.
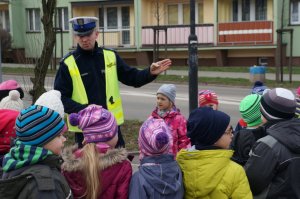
(154, 138)
(97, 124)
(298, 91)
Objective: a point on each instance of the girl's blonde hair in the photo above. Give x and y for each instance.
(91, 170)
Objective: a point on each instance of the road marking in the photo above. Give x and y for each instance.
(228, 101)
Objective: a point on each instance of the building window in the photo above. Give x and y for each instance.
(235, 10)
(249, 10)
(172, 14)
(4, 20)
(62, 18)
(114, 17)
(33, 20)
(260, 10)
(200, 13)
(295, 8)
(246, 10)
(179, 14)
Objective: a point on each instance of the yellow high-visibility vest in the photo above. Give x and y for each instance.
(113, 98)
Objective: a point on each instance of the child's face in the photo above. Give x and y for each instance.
(163, 102)
(226, 138)
(56, 145)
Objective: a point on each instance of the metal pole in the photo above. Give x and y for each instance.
(193, 61)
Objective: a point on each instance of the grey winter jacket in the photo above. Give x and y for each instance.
(159, 177)
(273, 166)
(43, 180)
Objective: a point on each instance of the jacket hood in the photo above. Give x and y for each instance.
(111, 157)
(162, 173)
(288, 133)
(203, 170)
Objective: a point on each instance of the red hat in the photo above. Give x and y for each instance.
(207, 97)
(7, 128)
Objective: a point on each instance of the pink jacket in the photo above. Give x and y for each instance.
(177, 123)
(116, 172)
(7, 128)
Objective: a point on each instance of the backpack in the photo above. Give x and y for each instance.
(287, 169)
(11, 188)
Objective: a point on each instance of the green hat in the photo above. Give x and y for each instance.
(250, 110)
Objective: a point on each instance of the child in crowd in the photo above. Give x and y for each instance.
(52, 99)
(245, 138)
(166, 110)
(159, 175)
(274, 162)
(97, 170)
(207, 169)
(9, 85)
(36, 153)
(258, 88)
(208, 98)
(10, 108)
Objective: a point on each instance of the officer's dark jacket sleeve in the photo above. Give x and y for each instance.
(63, 83)
(131, 76)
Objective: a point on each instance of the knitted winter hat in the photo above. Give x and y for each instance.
(52, 100)
(207, 97)
(154, 138)
(250, 110)
(206, 126)
(97, 124)
(168, 90)
(278, 103)
(258, 88)
(38, 125)
(7, 128)
(9, 85)
(12, 101)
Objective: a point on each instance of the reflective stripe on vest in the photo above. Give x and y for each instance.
(113, 102)
(113, 98)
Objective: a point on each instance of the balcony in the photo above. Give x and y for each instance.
(246, 33)
(177, 35)
(118, 37)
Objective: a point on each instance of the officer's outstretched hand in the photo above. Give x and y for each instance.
(160, 66)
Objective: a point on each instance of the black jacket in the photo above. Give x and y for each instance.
(273, 166)
(43, 180)
(92, 69)
(243, 141)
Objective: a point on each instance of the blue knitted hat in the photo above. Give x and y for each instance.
(205, 126)
(38, 125)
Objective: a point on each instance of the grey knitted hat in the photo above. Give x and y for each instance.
(277, 104)
(168, 90)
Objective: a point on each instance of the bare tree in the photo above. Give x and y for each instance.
(43, 61)
(158, 12)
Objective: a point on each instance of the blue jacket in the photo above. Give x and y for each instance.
(159, 177)
(92, 69)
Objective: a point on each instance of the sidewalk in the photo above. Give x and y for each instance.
(269, 76)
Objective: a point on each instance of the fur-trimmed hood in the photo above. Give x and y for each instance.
(111, 157)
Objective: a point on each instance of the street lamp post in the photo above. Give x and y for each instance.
(193, 61)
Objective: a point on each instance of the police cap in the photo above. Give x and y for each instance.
(83, 25)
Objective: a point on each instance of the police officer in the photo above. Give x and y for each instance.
(90, 75)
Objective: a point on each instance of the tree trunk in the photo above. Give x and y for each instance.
(43, 61)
